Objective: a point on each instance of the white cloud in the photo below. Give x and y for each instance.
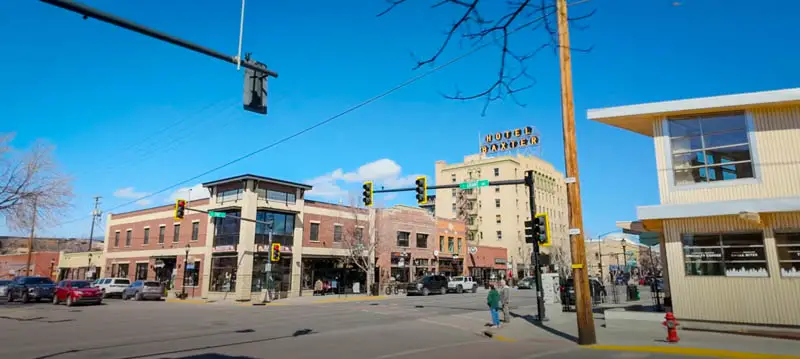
(130, 193)
(188, 193)
(383, 172)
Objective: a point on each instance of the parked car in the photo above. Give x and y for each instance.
(112, 286)
(596, 288)
(4, 287)
(73, 292)
(143, 290)
(427, 285)
(527, 283)
(460, 284)
(31, 288)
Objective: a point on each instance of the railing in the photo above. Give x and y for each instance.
(230, 239)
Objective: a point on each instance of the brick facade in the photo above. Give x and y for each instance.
(344, 216)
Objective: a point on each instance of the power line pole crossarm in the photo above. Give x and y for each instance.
(585, 317)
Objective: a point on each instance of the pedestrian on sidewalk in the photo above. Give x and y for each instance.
(505, 301)
(493, 300)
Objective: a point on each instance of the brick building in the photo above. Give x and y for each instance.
(42, 264)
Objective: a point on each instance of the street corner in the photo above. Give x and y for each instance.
(350, 299)
(686, 351)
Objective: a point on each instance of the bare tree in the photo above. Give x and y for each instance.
(362, 240)
(649, 260)
(561, 257)
(478, 30)
(30, 180)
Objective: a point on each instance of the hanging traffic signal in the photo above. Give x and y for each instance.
(255, 89)
(538, 230)
(180, 209)
(368, 194)
(541, 230)
(275, 252)
(422, 190)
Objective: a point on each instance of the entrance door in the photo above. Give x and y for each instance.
(166, 271)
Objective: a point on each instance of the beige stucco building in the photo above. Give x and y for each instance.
(495, 215)
(80, 265)
(729, 218)
(616, 252)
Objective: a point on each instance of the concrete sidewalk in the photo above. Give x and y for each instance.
(642, 337)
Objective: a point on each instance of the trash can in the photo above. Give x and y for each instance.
(633, 292)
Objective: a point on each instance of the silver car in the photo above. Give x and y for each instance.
(4, 287)
(143, 290)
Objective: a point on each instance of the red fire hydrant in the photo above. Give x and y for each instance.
(672, 327)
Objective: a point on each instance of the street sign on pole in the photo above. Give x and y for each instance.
(216, 214)
(473, 184)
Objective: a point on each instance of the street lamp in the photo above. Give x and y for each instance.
(624, 256)
(52, 267)
(185, 263)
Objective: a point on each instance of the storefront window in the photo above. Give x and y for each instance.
(788, 245)
(223, 273)
(192, 274)
(141, 271)
(226, 229)
(122, 271)
(731, 255)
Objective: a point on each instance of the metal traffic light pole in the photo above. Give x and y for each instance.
(535, 253)
(448, 186)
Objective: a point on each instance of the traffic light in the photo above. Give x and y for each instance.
(275, 252)
(538, 230)
(368, 194)
(255, 89)
(180, 209)
(422, 190)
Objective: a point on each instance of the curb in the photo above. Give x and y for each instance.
(186, 301)
(501, 338)
(751, 333)
(350, 299)
(700, 352)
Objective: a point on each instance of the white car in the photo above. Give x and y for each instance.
(462, 284)
(112, 286)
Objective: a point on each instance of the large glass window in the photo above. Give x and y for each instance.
(229, 195)
(402, 239)
(788, 245)
(122, 270)
(223, 274)
(282, 227)
(192, 271)
(226, 229)
(279, 196)
(730, 254)
(141, 271)
(710, 148)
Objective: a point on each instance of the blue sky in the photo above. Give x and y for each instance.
(103, 95)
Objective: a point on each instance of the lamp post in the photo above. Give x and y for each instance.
(185, 263)
(52, 267)
(89, 267)
(624, 257)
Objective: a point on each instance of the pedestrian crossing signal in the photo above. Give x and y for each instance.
(275, 252)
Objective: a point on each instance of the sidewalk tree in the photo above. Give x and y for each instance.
(30, 179)
(479, 23)
(361, 240)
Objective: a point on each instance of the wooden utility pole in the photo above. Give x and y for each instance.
(30, 240)
(583, 301)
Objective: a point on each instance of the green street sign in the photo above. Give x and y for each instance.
(216, 214)
(473, 184)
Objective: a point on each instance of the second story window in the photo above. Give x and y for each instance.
(314, 232)
(458, 240)
(496, 172)
(359, 234)
(176, 233)
(161, 232)
(128, 235)
(146, 239)
(450, 244)
(116, 239)
(422, 240)
(229, 195)
(441, 243)
(710, 148)
(337, 233)
(195, 230)
(402, 239)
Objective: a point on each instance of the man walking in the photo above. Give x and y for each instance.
(505, 299)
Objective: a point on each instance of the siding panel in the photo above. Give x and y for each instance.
(744, 300)
(776, 132)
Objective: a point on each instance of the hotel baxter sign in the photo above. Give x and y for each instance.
(509, 140)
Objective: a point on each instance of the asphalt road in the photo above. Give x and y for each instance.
(407, 327)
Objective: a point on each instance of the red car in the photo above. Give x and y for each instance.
(74, 292)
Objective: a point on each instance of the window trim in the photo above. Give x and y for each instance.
(720, 234)
(341, 232)
(310, 226)
(783, 230)
(754, 159)
(193, 238)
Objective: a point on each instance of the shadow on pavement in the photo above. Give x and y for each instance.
(531, 319)
(211, 356)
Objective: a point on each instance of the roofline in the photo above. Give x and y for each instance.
(785, 96)
(257, 178)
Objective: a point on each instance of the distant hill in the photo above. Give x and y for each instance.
(16, 245)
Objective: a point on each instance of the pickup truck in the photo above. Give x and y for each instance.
(460, 284)
(31, 289)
